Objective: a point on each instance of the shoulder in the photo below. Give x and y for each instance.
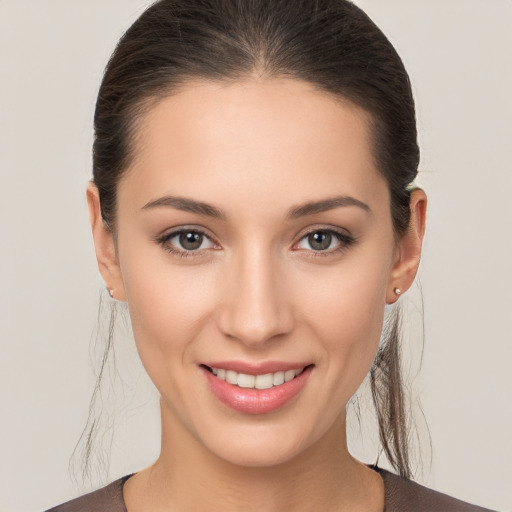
(109, 498)
(403, 495)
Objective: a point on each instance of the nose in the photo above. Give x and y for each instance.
(255, 307)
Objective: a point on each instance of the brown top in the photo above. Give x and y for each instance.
(401, 495)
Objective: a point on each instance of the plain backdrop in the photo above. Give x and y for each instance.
(458, 54)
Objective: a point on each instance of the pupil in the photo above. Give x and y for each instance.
(191, 241)
(320, 240)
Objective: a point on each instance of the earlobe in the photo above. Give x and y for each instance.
(409, 248)
(106, 254)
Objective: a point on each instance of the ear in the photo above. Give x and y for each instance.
(409, 248)
(104, 243)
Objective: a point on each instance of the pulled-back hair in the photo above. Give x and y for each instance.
(330, 44)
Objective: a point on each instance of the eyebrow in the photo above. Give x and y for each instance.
(186, 205)
(200, 208)
(326, 204)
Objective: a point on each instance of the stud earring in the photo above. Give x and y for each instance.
(397, 291)
(110, 293)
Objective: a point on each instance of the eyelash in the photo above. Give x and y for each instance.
(164, 242)
(345, 241)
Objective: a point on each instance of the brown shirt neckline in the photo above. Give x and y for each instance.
(401, 495)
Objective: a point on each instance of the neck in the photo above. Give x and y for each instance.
(187, 476)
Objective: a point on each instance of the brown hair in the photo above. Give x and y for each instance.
(331, 44)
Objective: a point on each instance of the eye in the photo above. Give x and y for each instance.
(186, 241)
(190, 240)
(323, 240)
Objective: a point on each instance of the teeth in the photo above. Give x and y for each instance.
(265, 381)
(232, 377)
(289, 375)
(245, 381)
(278, 378)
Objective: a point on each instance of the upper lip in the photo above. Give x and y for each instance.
(256, 368)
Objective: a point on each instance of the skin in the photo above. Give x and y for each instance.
(256, 289)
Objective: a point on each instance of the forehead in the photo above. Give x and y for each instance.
(255, 138)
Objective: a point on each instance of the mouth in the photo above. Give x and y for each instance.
(256, 390)
(258, 381)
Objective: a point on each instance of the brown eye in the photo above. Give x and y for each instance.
(325, 241)
(186, 242)
(190, 240)
(320, 240)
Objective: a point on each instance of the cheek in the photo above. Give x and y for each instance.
(346, 313)
(169, 305)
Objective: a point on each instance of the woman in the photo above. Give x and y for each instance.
(253, 203)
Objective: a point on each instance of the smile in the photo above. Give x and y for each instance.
(256, 389)
(265, 381)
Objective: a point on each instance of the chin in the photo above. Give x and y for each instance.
(267, 444)
(257, 453)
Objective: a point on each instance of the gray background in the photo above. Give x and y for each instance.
(458, 53)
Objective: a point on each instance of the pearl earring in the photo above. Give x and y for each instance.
(397, 291)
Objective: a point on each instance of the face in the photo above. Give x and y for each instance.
(255, 244)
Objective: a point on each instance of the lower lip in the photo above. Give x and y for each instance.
(256, 401)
